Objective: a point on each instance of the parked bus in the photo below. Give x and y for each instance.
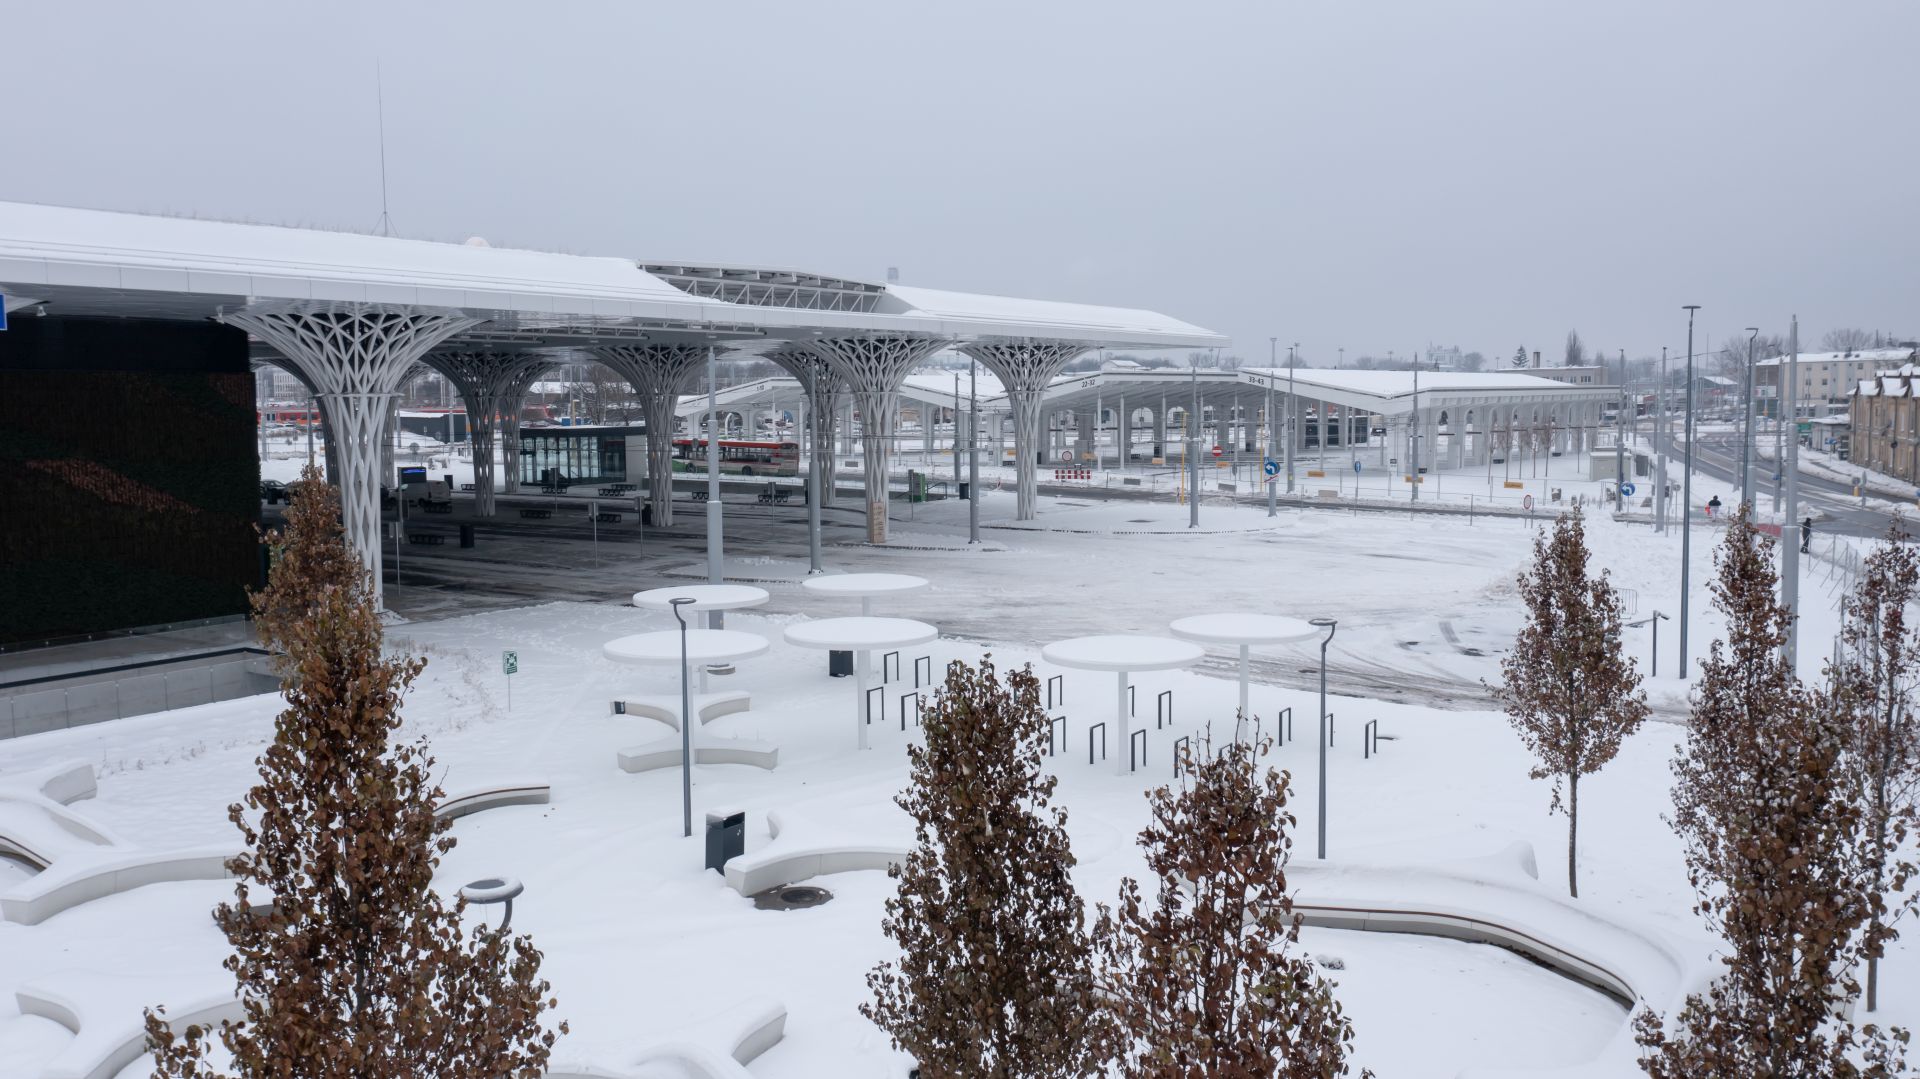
(741, 457)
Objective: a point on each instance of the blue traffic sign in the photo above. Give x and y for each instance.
(1626, 490)
(1273, 467)
(3, 312)
(1356, 466)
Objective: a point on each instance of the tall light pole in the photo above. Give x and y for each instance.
(1330, 625)
(1193, 456)
(715, 571)
(1660, 446)
(1789, 550)
(1686, 496)
(1273, 436)
(686, 719)
(1746, 428)
(1291, 407)
(973, 451)
(1413, 448)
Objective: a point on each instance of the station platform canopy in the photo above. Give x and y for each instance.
(1380, 393)
(103, 263)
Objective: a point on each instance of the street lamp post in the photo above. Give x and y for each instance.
(1746, 428)
(1292, 405)
(1193, 457)
(973, 451)
(1330, 625)
(1273, 436)
(715, 573)
(1686, 495)
(686, 720)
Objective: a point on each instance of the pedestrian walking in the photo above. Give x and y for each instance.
(1806, 536)
(1713, 506)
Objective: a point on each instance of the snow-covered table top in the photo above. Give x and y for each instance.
(1243, 629)
(863, 584)
(706, 597)
(860, 634)
(1122, 652)
(703, 646)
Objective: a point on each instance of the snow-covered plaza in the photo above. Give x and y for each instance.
(664, 970)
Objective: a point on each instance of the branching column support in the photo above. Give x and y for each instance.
(1025, 368)
(822, 388)
(356, 356)
(659, 374)
(874, 368)
(484, 378)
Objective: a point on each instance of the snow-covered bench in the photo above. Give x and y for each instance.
(1496, 900)
(744, 1031)
(76, 879)
(665, 753)
(806, 852)
(106, 1016)
(462, 802)
(666, 707)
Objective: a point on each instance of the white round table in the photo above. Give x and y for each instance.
(1122, 653)
(1245, 630)
(707, 598)
(860, 636)
(864, 585)
(662, 648)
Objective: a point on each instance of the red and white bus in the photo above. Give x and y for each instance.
(741, 457)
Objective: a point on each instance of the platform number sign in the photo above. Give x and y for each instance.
(510, 666)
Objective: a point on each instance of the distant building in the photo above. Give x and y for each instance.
(1885, 414)
(1825, 377)
(1576, 376)
(1444, 359)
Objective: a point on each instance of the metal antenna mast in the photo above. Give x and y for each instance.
(385, 228)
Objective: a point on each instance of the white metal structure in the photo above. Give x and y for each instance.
(352, 313)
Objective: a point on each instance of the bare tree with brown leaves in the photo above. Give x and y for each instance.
(1570, 690)
(995, 978)
(1878, 680)
(1202, 984)
(1770, 804)
(348, 964)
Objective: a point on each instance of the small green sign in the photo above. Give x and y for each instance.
(510, 662)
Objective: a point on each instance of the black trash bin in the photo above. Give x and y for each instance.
(726, 838)
(966, 490)
(839, 664)
(646, 515)
(466, 535)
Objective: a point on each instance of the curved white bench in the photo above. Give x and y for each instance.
(665, 753)
(800, 858)
(101, 1049)
(746, 1031)
(1635, 965)
(461, 803)
(666, 707)
(74, 880)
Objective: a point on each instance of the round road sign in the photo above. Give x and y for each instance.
(1066, 455)
(1216, 451)
(1356, 466)
(1626, 490)
(1527, 502)
(1273, 467)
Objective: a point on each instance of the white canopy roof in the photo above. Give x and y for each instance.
(97, 262)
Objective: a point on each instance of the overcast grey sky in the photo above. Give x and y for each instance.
(1367, 175)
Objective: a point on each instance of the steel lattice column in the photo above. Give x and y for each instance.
(821, 386)
(874, 368)
(355, 356)
(1025, 368)
(484, 378)
(659, 374)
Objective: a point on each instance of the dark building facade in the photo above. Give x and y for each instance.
(129, 480)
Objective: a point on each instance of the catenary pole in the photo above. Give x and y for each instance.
(1746, 428)
(1686, 496)
(817, 467)
(1291, 349)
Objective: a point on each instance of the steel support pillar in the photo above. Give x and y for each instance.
(874, 368)
(659, 374)
(484, 378)
(1025, 368)
(355, 356)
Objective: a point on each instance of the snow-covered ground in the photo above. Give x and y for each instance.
(642, 945)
